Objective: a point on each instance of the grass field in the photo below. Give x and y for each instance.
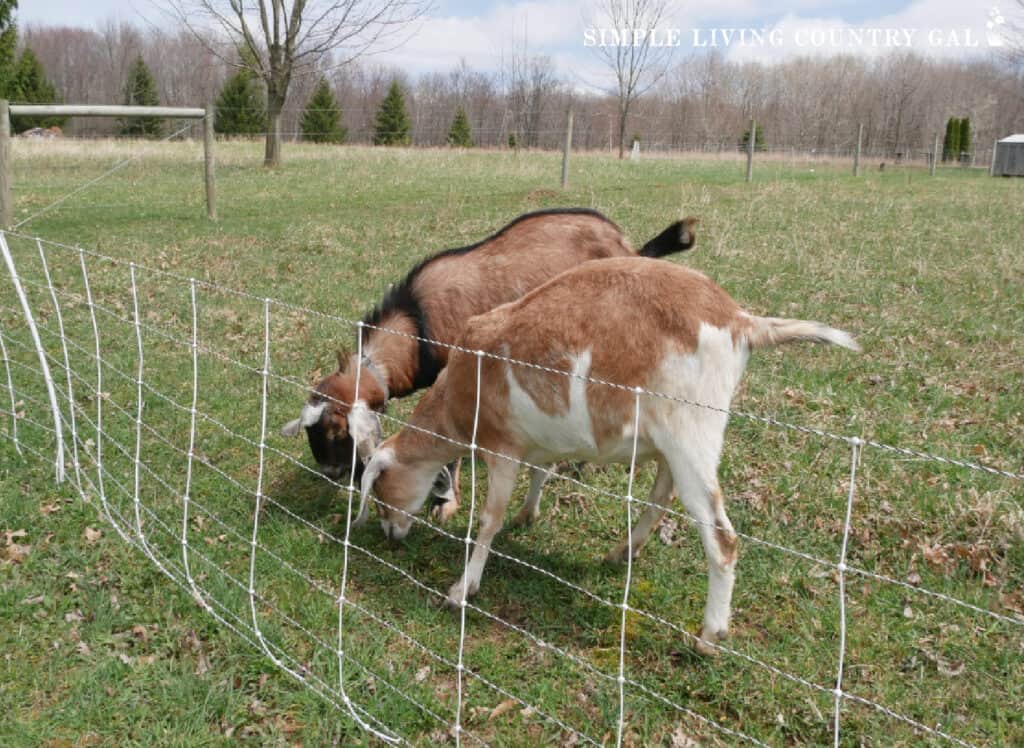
(101, 649)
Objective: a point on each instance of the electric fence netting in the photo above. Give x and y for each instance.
(158, 397)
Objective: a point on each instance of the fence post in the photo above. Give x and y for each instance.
(934, 158)
(565, 151)
(750, 149)
(856, 155)
(6, 209)
(211, 186)
(992, 165)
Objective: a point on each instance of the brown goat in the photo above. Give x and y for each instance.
(638, 323)
(433, 302)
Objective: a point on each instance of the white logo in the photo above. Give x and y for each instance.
(993, 28)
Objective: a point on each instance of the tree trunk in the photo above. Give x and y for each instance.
(272, 152)
(623, 114)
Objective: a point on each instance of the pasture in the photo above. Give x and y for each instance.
(101, 649)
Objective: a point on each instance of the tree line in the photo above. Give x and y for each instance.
(702, 102)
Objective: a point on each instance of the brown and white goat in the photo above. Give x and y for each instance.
(638, 323)
(433, 302)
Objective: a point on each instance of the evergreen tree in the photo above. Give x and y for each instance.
(459, 134)
(759, 145)
(8, 45)
(392, 121)
(28, 85)
(965, 137)
(140, 90)
(321, 121)
(240, 106)
(951, 143)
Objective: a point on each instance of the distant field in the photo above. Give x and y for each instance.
(100, 649)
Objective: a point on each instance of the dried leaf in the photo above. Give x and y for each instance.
(74, 616)
(15, 553)
(91, 535)
(48, 509)
(681, 740)
(422, 674)
(950, 669)
(83, 649)
(11, 535)
(501, 708)
(37, 600)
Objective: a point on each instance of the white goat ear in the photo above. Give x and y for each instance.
(364, 428)
(309, 415)
(379, 462)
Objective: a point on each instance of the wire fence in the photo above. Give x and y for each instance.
(164, 389)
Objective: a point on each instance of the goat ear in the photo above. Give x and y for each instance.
(309, 415)
(364, 428)
(378, 463)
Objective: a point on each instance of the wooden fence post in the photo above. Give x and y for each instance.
(6, 209)
(992, 166)
(211, 186)
(565, 151)
(750, 149)
(935, 157)
(856, 155)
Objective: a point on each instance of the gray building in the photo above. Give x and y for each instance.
(1009, 157)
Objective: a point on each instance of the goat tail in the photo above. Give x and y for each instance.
(765, 332)
(676, 238)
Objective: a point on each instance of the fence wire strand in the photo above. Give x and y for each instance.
(134, 531)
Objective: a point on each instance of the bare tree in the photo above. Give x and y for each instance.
(635, 61)
(1012, 33)
(280, 39)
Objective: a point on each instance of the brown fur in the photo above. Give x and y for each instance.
(637, 319)
(451, 288)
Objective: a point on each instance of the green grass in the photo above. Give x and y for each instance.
(101, 649)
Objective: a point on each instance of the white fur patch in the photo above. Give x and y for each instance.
(571, 432)
(382, 459)
(364, 428)
(309, 415)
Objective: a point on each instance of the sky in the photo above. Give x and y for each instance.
(482, 32)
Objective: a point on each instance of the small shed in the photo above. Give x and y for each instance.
(1009, 158)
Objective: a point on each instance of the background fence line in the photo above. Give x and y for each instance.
(132, 529)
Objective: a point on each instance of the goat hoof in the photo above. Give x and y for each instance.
(705, 645)
(444, 512)
(524, 519)
(619, 554)
(455, 594)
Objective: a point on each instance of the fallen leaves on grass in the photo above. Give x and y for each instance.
(501, 708)
(13, 552)
(91, 535)
(681, 740)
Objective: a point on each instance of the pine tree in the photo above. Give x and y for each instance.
(951, 143)
(459, 134)
(8, 45)
(240, 106)
(321, 121)
(965, 138)
(140, 90)
(392, 121)
(28, 85)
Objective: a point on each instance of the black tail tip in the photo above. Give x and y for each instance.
(678, 237)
